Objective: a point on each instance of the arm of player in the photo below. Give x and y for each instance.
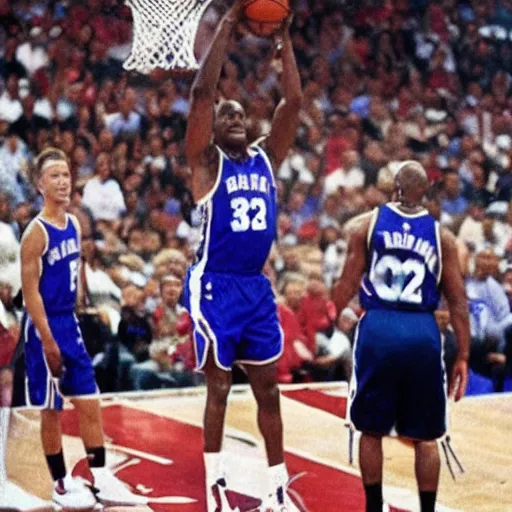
(32, 248)
(286, 116)
(204, 89)
(355, 264)
(455, 293)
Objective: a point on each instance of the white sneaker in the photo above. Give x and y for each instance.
(71, 493)
(13, 498)
(111, 491)
(216, 498)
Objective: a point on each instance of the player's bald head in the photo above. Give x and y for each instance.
(411, 181)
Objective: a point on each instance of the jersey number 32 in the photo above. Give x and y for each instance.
(249, 214)
(397, 281)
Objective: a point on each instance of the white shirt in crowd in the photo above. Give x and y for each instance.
(352, 178)
(33, 57)
(10, 109)
(104, 199)
(10, 269)
(119, 125)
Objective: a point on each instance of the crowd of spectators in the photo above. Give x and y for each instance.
(384, 81)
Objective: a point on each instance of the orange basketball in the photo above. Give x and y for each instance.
(264, 17)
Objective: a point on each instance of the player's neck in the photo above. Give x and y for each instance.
(54, 213)
(409, 206)
(236, 154)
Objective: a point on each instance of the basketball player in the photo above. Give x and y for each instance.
(402, 261)
(231, 303)
(57, 363)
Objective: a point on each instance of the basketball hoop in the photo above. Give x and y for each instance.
(164, 32)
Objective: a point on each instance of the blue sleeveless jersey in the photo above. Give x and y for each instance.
(239, 216)
(404, 257)
(60, 264)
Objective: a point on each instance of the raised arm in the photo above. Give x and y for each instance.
(204, 89)
(355, 264)
(32, 248)
(455, 293)
(286, 116)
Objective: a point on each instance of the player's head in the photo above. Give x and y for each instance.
(52, 177)
(229, 128)
(411, 182)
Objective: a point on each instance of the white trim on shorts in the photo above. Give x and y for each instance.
(49, 399)
(352, 388)
(273, 358)
(52, 383)
(194, 285)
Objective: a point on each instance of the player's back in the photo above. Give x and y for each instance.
(59, 266)
(239, 216)
(404, 258)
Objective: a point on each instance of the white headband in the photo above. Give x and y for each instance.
(412, 163)
(51, 162)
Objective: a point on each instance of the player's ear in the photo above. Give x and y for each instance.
(39, 185)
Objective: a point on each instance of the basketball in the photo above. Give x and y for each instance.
(264, 17)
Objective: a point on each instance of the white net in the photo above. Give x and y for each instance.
(164, 32)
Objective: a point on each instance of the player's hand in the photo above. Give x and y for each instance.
(53, 358)
(458, 379)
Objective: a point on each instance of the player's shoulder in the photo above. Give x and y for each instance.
(35, 236)
(74, 220)
(360, 223)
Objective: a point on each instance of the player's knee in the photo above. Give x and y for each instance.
(5, 377)
(426, 446)
(218, 390)
(50, 417)
(267, 392)
(88, 410)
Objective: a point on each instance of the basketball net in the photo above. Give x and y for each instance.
(164, 32)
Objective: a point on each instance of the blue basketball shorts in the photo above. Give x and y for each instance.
(236, 316)
(42, 390)
(398, 381)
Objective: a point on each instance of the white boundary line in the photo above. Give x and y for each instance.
(201, 390)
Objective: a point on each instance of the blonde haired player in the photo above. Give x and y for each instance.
(57, 363)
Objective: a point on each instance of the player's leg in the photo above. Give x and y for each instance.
(218, 384)
(263, 381)
(373, 397)
(262, 346)
(422, 413)
(67, 492)
(427, 465)
(371, 463)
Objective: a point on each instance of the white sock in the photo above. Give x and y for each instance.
(4, 429)
(214, 466)
(277, 477)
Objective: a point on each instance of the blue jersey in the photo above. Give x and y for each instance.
(59, 266)
(239, 216)
(404, 255)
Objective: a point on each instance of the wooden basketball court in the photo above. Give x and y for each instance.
(155, 443)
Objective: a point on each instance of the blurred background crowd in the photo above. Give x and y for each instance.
(384, 81)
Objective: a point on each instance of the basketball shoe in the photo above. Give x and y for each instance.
(13, 498)
(217, 499)
(71, 493)
(111, 491)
